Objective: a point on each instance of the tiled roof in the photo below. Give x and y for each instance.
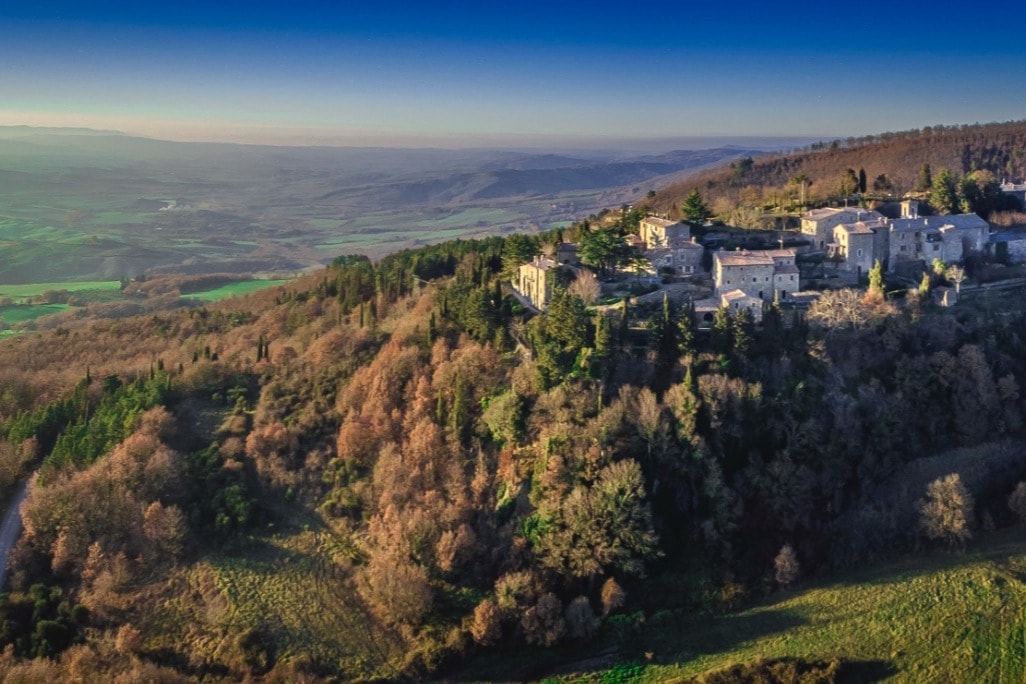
(736, 295)
(862, 227)
(819, 214)
(656, 221)
(937, 222)
(740, 258)
(827, 212)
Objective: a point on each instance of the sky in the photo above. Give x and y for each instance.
(528, 73)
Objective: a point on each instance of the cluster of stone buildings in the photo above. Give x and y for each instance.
(856, 238)
(853, 238)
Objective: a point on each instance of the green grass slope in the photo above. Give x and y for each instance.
(243, 287)
(932, 617)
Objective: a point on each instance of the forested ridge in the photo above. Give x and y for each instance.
(885, 165)
(475, 480)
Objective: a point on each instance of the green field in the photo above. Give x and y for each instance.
(19, 313)
(478, 216)
(233, 290)
(22, 291)
(934, 617)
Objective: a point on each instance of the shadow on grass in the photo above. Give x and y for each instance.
(1000, 548)
(792, 670)
(674, 637)
(664, 638)
(864, 671)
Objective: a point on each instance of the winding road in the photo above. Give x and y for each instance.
(10, 529)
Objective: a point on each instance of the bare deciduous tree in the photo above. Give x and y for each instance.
(587, 287)
(946, 513)
(848, 308)
(785, 565)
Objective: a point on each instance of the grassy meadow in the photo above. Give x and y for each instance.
(26, 290)
(237, 289)
(931, 617)
(19, 313)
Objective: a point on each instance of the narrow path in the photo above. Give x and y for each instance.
(10, 529)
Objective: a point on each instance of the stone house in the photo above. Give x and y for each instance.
(923, 239)
(683, 257)
(1014, 249)
(535, 279)
(854, 244)
(738, 300)
(661, 233)
(818, 224)
(767, 274)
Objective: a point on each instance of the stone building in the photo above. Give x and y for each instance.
(923, 239)
(683, 257)
(534, 281)
(818, 224)
(661, 233)
(767, 275)
(737, 300)
(854, 245)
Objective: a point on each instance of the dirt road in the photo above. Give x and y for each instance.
(10, 529)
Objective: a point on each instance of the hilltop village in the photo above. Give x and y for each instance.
(703, 266)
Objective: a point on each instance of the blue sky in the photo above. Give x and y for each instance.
(529, 73)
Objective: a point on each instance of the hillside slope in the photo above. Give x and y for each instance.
(997, 148)
(932, 617)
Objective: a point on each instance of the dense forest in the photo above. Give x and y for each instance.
(477, 480)
(875, 166)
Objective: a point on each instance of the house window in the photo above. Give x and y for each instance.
(860, 252)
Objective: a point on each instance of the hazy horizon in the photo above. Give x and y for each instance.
(539, 143)
(456, 75)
